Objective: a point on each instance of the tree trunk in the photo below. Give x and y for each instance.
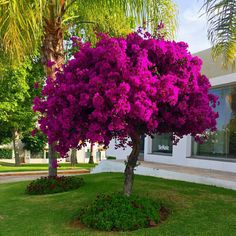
(73, 157)
(15, 148)
(52, 51)
(52, 161)
(131, 164)
(91, 161)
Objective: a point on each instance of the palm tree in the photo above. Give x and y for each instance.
(27, 25)
(222, 28)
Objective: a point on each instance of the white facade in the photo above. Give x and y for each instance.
(182, 153)
(82, 155)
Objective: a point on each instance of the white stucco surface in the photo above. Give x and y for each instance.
(115, 166)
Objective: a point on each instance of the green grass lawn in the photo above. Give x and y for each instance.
(6, 167)
(195, 209)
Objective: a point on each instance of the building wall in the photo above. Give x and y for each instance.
(120, 153)
(182, 152)
(83, 155)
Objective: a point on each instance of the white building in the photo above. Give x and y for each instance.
(219, 152)
(42, 157)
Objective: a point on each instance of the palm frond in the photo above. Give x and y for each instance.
(142, 12)
(20, 27)
(222, 28)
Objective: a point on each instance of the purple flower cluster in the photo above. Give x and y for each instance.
(126, 85)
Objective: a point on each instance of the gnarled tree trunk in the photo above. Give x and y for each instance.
(131, 164)
(52, 51)
(52, 160)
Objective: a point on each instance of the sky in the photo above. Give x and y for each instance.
(192, 27)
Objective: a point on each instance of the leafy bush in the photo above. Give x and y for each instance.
(34, 143)
(111, 158)
(5, 153)
(48, 185)
(120, 213)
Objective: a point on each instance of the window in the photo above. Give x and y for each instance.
(87, 153)
(142, 144)
(162, 144)
(222, 143)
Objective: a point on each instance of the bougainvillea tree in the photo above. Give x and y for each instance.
(124, 88)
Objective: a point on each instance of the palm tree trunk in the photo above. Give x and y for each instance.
(91, 161)
(52, 51)
(73, 157)
(15, 148)
(131, 164)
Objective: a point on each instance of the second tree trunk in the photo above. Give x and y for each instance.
(131, 164)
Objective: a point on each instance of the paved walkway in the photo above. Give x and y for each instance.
(7, 177)
(191, 170)
(191, 174)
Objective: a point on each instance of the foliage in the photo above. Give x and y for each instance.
(5, 153)
(126, 85)
(222, 28)
(5, 134)
(117, 212)
(18, 20)
(34, 143)
(16, 95)
(55, 184)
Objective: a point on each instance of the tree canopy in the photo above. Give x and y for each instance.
(126, 86)
(16, 96)
(26, 22)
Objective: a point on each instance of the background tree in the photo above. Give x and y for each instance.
(222, 28)
(35, 143)
(46, 29)
(16, 96)
(125, 88)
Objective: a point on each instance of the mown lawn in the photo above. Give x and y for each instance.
(195, 209)
(6, 167)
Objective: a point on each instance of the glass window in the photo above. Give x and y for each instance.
(222, 143)
(142, 144)
(162, 144)
(87, 153)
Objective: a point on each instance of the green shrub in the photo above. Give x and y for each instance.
(48, 185)
(111, 158)
(5, 153)
(120, 213)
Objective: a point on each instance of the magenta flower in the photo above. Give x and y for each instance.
(50, 63)
(36, 85)
(126, 85)
(33, 132)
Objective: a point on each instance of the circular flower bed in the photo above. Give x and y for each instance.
(49, 185)
(120, 213)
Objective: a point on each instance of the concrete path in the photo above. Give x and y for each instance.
(7, 177)
(190, 174)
